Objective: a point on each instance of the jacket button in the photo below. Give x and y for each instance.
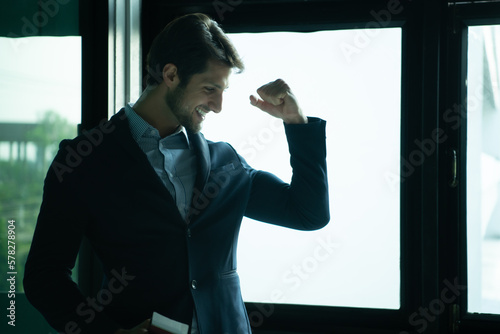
(189, 233)
(194, 284)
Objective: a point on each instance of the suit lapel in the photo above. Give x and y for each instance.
(202, 157)
(123, 137)
(143, 169)
(199, 201)
(121, 134)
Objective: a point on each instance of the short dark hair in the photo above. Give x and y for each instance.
(189, 42)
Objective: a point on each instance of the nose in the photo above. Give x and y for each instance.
(216, 103)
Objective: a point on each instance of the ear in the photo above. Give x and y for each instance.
(170, 77)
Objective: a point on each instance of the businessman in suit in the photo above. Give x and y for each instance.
(161, 205)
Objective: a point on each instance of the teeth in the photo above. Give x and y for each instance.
(201, 112)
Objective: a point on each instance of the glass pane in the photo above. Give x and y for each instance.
(483, 169)
(40, 103)
(352, 79)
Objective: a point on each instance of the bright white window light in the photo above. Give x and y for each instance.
(352, 79)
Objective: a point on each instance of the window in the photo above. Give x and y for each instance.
(483, 169)
(472, 222)
(358, 94)
(39, 106)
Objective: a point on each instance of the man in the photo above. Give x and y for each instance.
(162, 206)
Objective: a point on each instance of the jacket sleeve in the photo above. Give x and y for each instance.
(303, 204)
(59, 230)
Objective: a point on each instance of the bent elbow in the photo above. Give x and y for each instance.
(322, 222)
(318, 221)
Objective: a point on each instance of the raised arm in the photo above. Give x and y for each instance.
(302, 204)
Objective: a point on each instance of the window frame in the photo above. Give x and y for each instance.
(461, 16)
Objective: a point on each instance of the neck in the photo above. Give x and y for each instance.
(151, 106)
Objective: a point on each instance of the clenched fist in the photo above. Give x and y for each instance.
(277, 100)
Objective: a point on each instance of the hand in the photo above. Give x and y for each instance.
(139, 329)
(278, 101)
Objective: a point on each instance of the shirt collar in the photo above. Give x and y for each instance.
(183, 130)
(139, 127)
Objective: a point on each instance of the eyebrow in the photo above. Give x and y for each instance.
(217, 85)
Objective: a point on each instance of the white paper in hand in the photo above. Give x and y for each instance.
(163, 325)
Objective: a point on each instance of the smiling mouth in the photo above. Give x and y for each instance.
(201, 112)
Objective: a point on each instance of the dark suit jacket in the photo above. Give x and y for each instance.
(101, 185)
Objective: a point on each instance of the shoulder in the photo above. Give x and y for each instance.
(221, 148)
(91, 146)
(97, 135)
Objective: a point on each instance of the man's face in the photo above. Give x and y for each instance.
(202, 94)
